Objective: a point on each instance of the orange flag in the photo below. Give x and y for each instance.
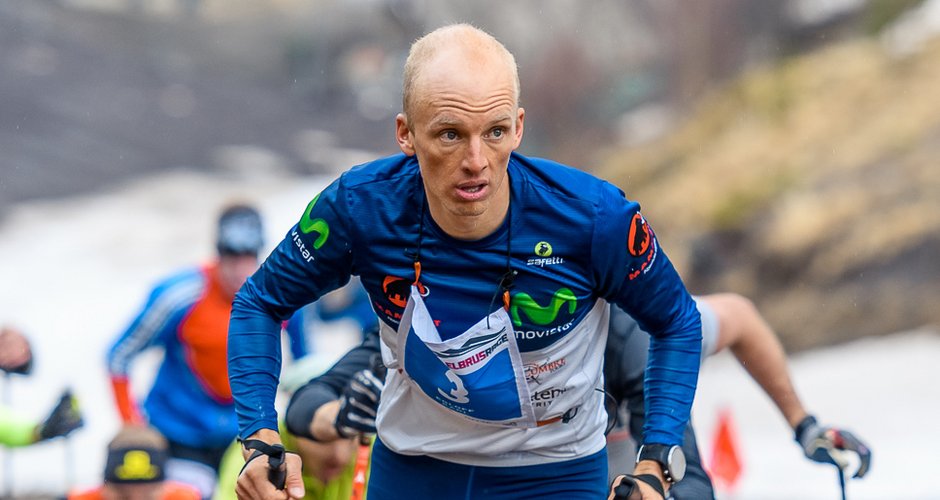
(725, 462)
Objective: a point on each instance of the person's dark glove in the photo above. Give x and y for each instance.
(830, 445)
(64, 418)
(360, 400)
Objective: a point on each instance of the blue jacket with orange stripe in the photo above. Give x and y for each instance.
(190, 401)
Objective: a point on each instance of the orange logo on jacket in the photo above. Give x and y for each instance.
(639, 236)
(396, 290)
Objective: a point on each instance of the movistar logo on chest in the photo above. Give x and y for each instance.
(543, 252)
(538, 334)
(539, 314)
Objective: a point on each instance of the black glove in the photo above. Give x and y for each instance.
(360, 400)
(830, 445)
(64, 418)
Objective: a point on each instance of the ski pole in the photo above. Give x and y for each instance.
(363, 454)
(841, 480)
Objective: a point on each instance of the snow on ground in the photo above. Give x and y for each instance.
(74, 271)
(882, 389)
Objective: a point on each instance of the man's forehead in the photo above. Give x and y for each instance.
(473, 66)
(446, 117)
(486, 87)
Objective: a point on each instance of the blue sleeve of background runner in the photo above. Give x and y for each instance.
(157, 321)
(634, 273)
(296, 335)
(314, 258)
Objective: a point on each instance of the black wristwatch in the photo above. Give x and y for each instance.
(670, 458)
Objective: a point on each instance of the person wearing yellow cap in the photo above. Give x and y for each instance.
(136, 470)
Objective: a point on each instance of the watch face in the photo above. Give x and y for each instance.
(670, 458)
(676, 461)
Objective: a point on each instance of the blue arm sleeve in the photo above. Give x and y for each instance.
(157, 320)
(634, 273)
(314, 258)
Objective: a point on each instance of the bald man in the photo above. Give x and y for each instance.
(491, 274)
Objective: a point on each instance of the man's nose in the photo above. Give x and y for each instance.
(476, 160)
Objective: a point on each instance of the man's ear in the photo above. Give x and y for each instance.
(403, 135)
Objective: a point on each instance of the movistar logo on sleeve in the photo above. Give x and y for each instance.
(541, 315)
(319, 226)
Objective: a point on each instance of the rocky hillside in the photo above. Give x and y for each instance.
(813, 187)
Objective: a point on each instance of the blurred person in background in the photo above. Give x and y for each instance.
(187, 315)
(135, 469)
(328, 465)
(351, 302)
(729, 321)
(18, 430)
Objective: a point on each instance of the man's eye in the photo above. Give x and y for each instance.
(496, 133)
(449, 135)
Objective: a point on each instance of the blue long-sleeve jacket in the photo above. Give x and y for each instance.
(573, 239)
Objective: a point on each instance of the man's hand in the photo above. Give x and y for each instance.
(636, 487)
(624, 488)
(639, 485)
(360, 400)
(830, 445)
(254, 481)
(64, 418)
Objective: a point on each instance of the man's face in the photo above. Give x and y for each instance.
(235, 269)
(463, 125)
(147, 491)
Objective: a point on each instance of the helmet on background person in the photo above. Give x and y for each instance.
(240, 231)
(239, 240)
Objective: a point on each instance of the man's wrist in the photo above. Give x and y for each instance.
(651, 467)
(794, 418)
(269, 436)
(323, 425)
(800, 428)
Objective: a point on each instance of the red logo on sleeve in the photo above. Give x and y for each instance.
(639, 236)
